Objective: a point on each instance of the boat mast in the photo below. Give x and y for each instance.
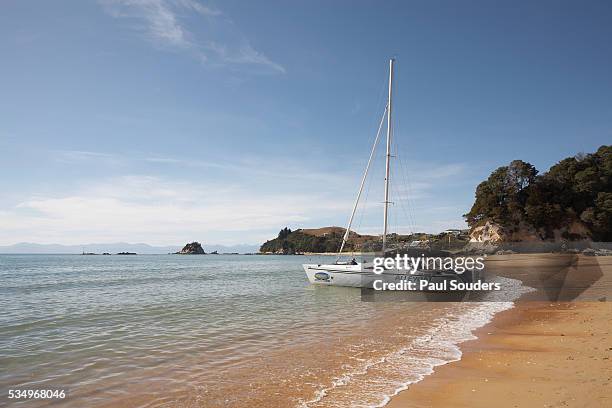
(388, 157)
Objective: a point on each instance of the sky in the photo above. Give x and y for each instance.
(167, 121)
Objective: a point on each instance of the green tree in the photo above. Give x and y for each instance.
(577, 189)
(502, 197)
(284, 233)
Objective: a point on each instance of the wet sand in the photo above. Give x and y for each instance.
(538, 354)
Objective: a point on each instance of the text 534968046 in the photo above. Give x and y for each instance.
(48, 393)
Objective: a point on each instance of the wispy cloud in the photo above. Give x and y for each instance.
(198, 7)
(83, 156)
(164, 23)
(290, 170)
(254, 167)
(254, 198)
(245, 54)
(158, 211)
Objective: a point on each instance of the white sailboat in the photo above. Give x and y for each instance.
(353, 273)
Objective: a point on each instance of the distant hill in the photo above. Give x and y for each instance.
(140, 248)
(321, 232)
(327, 239)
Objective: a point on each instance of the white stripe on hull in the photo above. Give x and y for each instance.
(359, 276)
(339, 275)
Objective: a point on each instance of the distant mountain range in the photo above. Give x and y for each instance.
(32, 248)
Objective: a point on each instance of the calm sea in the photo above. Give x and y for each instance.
(212, 331)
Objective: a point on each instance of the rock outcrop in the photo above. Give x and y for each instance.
(194, 248)
(493, 233)
(488, 233)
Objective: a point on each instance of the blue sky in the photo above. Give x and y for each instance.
(164, 121)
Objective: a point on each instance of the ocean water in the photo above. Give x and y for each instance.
(213, 331)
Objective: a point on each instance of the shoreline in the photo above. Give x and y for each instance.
(538, 353)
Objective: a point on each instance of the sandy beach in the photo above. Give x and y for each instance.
(538, 354)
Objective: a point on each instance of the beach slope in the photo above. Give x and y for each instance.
(538, 354)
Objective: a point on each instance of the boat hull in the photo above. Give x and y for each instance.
(336, 275)
(358, 276)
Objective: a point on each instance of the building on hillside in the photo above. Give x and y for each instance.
(422, 243)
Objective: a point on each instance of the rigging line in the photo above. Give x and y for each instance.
(396, 214)
(411, 200)
(363, 206)
(397, 218)
(363, 179)
(405, 174)
(395, 191)
(407, 209)
(408, 206)
(404, 190)
(396, 188)
(411, 205)
(392, 237)
(403, 178)
(379, 103)
(375, 174)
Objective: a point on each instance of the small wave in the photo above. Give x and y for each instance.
(374, 382)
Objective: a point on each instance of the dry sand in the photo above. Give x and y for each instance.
(538, 354)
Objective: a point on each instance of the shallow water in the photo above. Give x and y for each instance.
(213, 331)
